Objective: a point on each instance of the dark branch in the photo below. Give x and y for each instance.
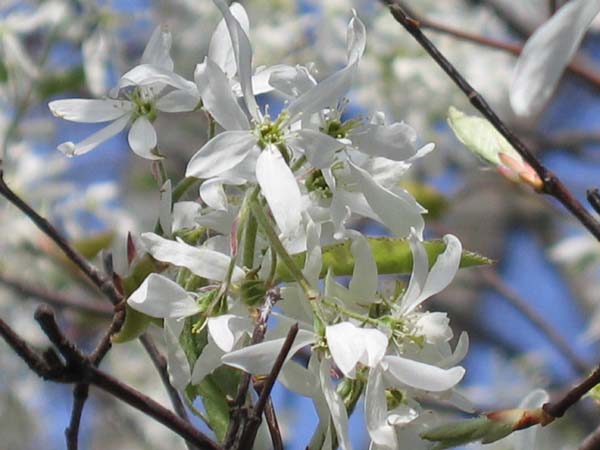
(79, 369)
(560, 406)
(55, 299)
(95, 276)
(239, 414)
(160, 363)
(592, 441)
(255, 416)
(551, 184)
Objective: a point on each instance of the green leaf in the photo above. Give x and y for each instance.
(470, 430)
(214, 389)
(215, 404)
(392, 256)
(480, 137)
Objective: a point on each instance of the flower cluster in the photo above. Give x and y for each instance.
(277, 192)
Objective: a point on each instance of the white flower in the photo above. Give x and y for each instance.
(547, 53)
(139, 110)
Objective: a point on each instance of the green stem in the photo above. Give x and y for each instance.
(182, 187)
(250, 241)
(267, 227)
(349, 313)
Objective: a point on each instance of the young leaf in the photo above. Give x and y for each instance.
(392, 256)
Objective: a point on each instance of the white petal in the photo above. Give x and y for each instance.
(396, 142)
(200, 261)
(547, 53)
(218, 98)
(178, 101)
(90, 111)
(177, 363)
(364, 282)
(337, 409)
(291, 81)
(345, 343)
(375, 343)
(443, 271)
(356, 37)
(298, 379)
(91, 142)
(147, 75)
(158, 48)
(221, 153)
(142, 138)
(184, 214)
(220, 49)
(259, 358)
(280, 188)
(420, 270)
(209, 360)
(376, 414)
(399, 213)
(435, 327)
(324, 95)
(420, 375)
(318, 147)
(227, 329)
(243, 55)
(160, 297)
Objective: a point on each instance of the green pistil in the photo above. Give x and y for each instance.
(315, 182)
(338, 129)
(143, 107)
(271, 132)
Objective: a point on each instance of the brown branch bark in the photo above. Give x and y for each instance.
(239, 414)
(552, 185)
(255, 416)
(55, 299)
(79, 369)
(104, 284)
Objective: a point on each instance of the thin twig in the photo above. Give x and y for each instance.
(104, 284)
(151, 408)
(55, 299)
(255, 416)
(559, 407)
(551, 183)
(591, 442)
(79, 369)
(239, 414)
(496, 283)
(160, 363)
(580, 66)
(80, 395)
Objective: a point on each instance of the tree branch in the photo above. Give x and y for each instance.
(559, 407)
(551, 183)
(239, 414)
(592, 441)
(104, 284)
(160, 363)
(55, 299)
(80, 369)
(255, 416)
